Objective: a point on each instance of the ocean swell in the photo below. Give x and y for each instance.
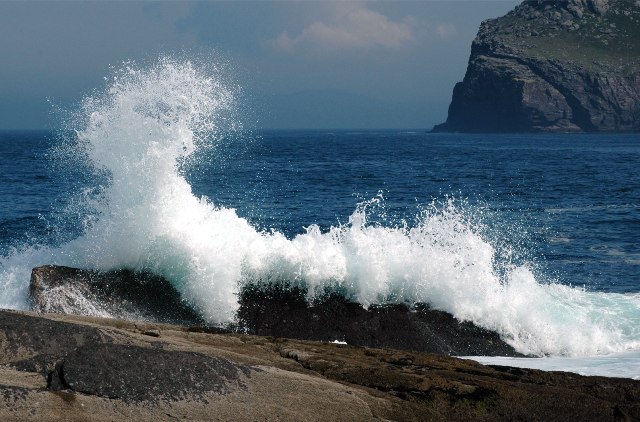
(145, 217)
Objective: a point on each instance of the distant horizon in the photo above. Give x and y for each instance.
(326, 64)
(252, 129)
(308, 129)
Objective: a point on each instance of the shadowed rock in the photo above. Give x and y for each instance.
(120, 294)
(265, 310)
(284, 312)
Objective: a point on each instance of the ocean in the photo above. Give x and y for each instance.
(534, 236)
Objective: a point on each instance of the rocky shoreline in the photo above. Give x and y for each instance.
(58, 366)
(67, 367)
(273, 310)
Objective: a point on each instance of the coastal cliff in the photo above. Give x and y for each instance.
(553, 66)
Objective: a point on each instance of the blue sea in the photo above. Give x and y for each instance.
(535, 236)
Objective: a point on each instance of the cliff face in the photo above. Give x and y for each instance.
(553, 66)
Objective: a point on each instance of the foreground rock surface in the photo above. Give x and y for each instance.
(272, 311)
(63, 367)
(553, 66)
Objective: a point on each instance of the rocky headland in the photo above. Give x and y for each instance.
(553, 66)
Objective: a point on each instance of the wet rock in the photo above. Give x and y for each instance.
(271, 311)
(285, 313)
(119, 294)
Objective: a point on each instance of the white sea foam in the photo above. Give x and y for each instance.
(622, 365)
(147, 218)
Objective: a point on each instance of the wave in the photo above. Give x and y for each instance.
(592, 208)
(149, 121)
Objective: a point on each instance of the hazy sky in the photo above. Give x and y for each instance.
(301, 64)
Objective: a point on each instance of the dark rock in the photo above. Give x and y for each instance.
(565, 81)
(152, 333)
(133, 373)
(276, 310)
(120, 294)
(284, 312)
(29, 337)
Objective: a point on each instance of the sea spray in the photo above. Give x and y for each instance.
(145, 216)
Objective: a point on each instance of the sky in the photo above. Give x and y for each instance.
(301, 64)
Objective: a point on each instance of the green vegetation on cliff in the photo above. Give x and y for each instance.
(580, 35)
(554, 66)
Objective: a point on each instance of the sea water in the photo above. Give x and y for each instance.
(536, 237)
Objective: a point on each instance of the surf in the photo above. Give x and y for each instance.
(141, 129)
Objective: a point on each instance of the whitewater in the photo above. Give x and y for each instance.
(151, 120)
